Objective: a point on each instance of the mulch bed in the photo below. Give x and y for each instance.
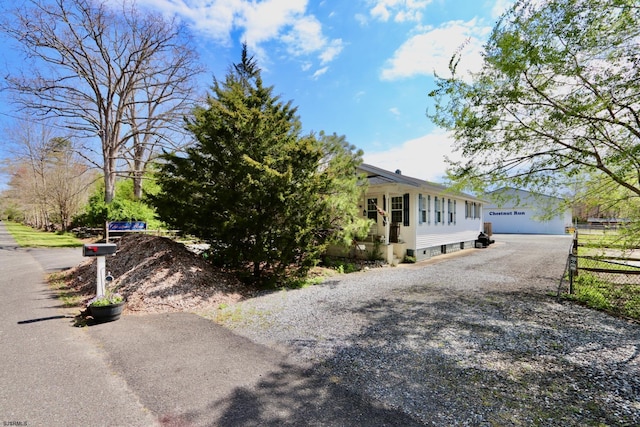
(158, 275)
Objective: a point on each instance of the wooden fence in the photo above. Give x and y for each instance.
(614, 270)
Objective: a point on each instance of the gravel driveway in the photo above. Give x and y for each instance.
(471, 338)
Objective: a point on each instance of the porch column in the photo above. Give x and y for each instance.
(387, 226)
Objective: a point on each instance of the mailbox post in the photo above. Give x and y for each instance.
(99, 250)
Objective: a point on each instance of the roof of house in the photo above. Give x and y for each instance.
(378, 176)
(509, 197)
(514, 192)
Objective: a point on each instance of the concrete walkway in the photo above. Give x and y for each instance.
(157, 370)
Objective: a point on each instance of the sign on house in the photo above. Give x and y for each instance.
(507, 213)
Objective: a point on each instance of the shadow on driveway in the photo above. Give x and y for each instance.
(191, 372)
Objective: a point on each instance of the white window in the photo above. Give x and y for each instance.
(372, 209)
(424, 213)
(471, 210)
(396, 209)
(451, 210)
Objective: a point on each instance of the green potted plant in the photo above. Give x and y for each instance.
(106, 308)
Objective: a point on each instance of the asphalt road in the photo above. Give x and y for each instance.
(157, 370)
(52, 373)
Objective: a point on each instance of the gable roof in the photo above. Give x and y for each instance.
(516, 192)
(378, 176)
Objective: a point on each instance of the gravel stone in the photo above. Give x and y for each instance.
(472, 338)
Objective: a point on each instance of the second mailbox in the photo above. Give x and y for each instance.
(98, 249)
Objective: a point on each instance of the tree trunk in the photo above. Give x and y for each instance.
(138, 172)
(109, 175)
(109, 186)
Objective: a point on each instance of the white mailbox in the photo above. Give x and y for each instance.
(100, 251)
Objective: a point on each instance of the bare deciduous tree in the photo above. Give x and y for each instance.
(119, 76)
(69, 181)
(28, 171)
(49, 182)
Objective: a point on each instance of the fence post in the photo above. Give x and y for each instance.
(573, 260)
(570, 281)
(573, 269)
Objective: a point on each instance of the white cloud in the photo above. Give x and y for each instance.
(305, 36)
(320, 72)
(215, 19)
(359, 95)
(381, 12)
(395, 111)
(332, 50)
(422, 158)
(401, 10)
(265, 20)
(431, 50)
(408, 16)
(501, 7)
(286, 21)
(362, 19)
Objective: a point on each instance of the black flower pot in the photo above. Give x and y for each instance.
(107, 313)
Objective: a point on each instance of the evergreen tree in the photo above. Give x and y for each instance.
(266, 198)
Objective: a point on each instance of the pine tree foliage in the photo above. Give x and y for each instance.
(266, 197)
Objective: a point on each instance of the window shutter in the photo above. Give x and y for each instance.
(419, 208)
(455, 214)
(405, 207)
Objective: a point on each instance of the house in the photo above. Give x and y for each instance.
(417, 218)
(514, 211)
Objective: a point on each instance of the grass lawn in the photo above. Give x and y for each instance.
(29, 237)
(618, 300)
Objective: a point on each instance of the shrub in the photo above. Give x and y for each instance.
(409, 259)
(122, 208)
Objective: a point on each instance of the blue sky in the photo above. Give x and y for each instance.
(359, 68)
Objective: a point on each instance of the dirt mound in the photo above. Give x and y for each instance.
(157, 274)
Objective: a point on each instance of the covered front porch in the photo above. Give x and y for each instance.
(391, 253)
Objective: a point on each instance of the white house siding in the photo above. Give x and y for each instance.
(428, 239)
(435, 236)
(434, 239)
(519, 220)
